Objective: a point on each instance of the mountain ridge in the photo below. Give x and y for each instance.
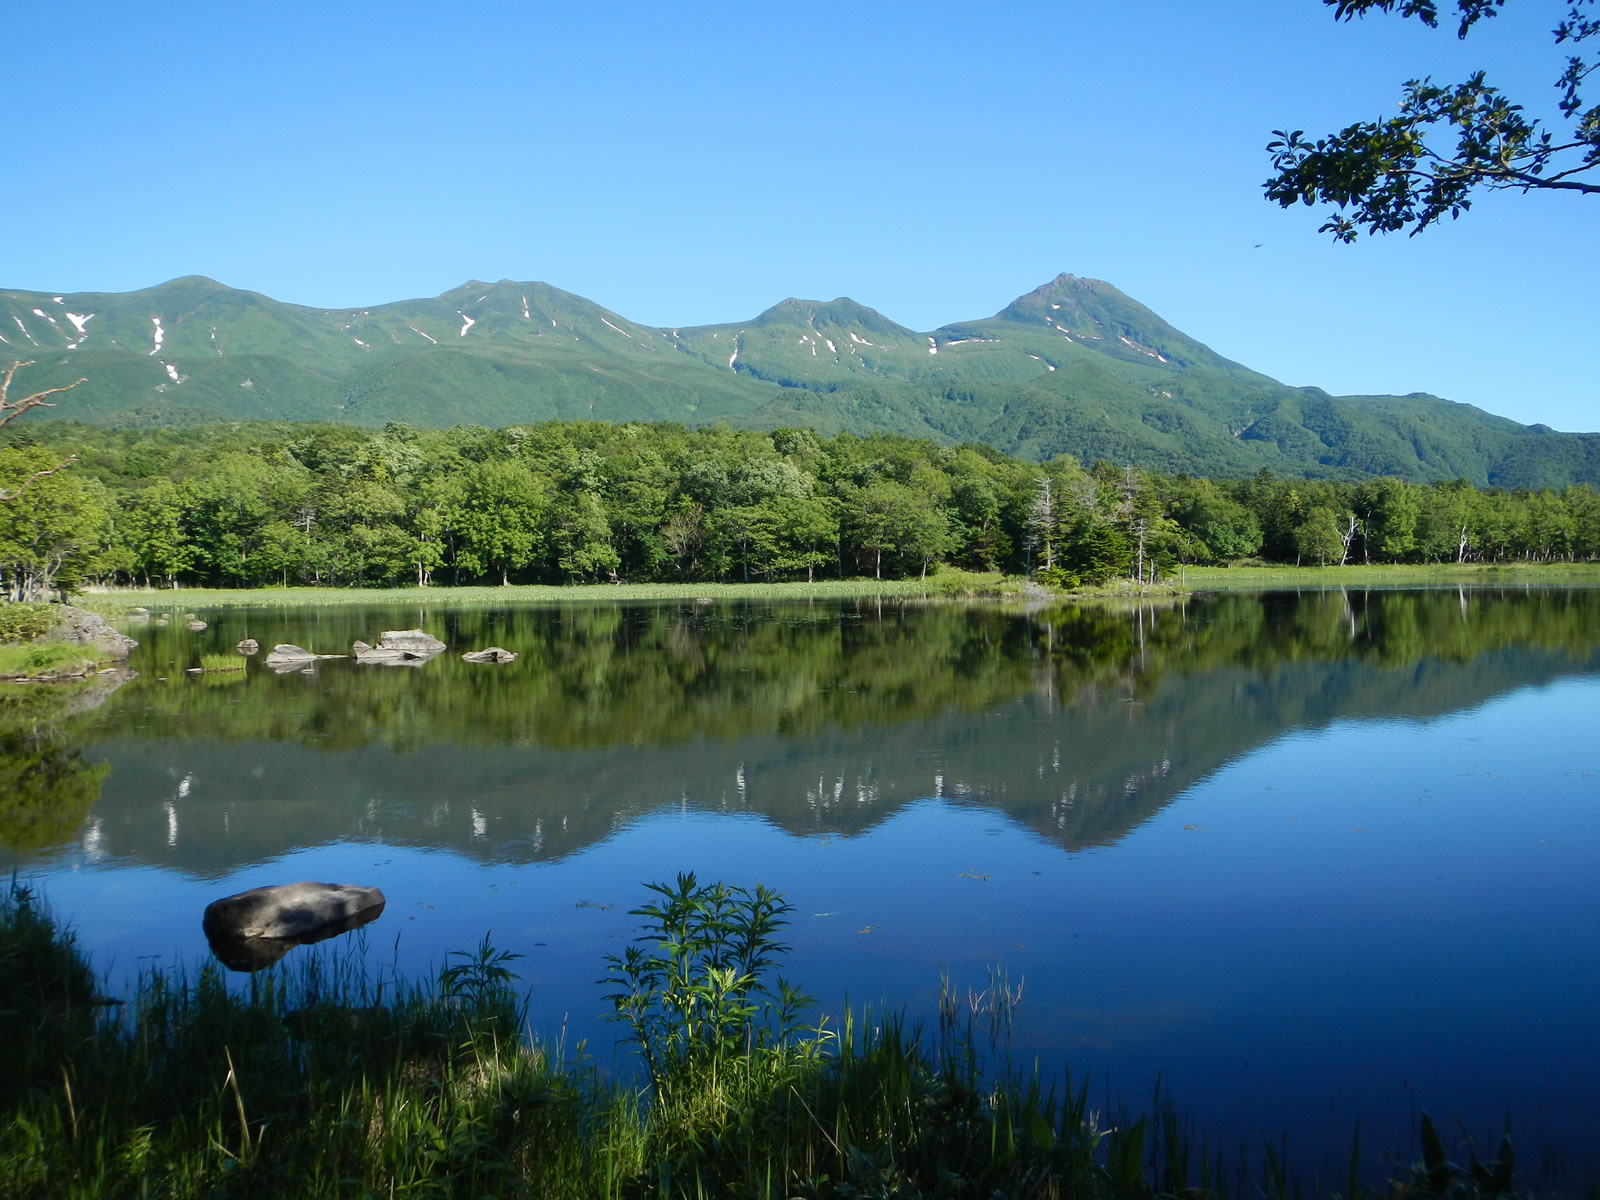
(1073, 366)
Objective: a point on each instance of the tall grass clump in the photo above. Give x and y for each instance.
(317, 1080)
(308, 1082)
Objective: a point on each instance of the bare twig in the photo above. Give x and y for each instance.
(11, 409)
(7, 496)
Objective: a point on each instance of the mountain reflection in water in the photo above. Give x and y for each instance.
(959, 784)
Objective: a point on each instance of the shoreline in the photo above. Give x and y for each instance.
(946, 585)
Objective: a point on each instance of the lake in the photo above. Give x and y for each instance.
(1307, 858)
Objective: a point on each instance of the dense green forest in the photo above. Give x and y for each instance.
(279, 504)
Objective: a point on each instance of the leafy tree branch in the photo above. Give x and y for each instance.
(1449, 141)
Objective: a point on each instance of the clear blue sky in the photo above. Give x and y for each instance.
(695, 163)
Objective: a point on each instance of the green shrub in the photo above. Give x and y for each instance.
(24, 622)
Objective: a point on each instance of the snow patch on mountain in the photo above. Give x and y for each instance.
(525, 315)
(80, 322)
(172, 371)
(160, 336)
(466, 322)
(860, 341)
(419, 333)
(623, 332)
(933, 346)
(1132, 345)
(22, 327)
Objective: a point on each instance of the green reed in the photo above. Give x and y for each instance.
(321, 1079)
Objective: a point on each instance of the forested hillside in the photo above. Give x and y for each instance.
(275, 504)
(1073, 367)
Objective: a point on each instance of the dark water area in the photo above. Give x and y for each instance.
(1307, 858)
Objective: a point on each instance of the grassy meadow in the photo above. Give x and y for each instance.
(944, 584)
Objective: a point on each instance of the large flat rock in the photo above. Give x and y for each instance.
(291, 910)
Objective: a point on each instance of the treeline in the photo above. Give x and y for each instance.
(281, 504)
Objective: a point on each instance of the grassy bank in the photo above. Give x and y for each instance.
(945, 584)
(45, 660)
(316, 1081)
(518, 594)
(31, 646)
(1393, 575)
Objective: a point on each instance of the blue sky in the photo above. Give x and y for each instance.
(697, 163)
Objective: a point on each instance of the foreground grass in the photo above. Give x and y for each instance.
(316, 1082)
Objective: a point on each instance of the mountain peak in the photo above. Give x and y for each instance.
(1059, 292)
(840, 313)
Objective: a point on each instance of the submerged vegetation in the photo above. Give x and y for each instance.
(317, 1080)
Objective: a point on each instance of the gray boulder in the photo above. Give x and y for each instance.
(291, 911)
(90, 630)
(494, 654)
(286, 656)
(382, 656)
(413, 640)
(195, 626)
(248, 646)
(399, 648)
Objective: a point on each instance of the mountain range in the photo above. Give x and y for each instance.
(1075, 366)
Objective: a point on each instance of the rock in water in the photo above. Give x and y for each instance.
(399, 647)
(494, 654)
(287, 652)
(248, 646)
(292, 911)
(412, 640)
(286, 656)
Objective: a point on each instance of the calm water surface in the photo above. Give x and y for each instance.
(1307, 857)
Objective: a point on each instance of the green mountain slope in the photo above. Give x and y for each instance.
(1072, 367)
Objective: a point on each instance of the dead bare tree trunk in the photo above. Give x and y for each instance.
(11, 409)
